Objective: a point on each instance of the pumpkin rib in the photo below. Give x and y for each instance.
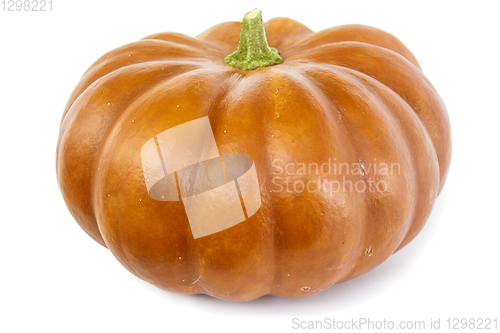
(382, 108)
(125, 250)
(425, 193)
(155, 48)
(215, 113)
(183, 39)
(80, 152)
(283, 31)
(360, 230)
(149, 51)
(399, 75)
(209, 51)
(212, 113)
(287, 253)
(120, 69)
(233, 111)
(267, 212)
(336, 82)
(225, 35)
(118, 72)
(228, 95)
(364, 220)
(354, 33)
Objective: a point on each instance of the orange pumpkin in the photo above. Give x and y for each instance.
(343, 97)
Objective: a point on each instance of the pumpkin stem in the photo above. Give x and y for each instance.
(253, 51)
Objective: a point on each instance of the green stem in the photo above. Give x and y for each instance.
(253, 51)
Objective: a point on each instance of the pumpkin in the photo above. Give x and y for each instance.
(343, 107)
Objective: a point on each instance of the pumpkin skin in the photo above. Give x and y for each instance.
(352, 94)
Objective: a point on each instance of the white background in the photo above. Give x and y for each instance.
(54, 278)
